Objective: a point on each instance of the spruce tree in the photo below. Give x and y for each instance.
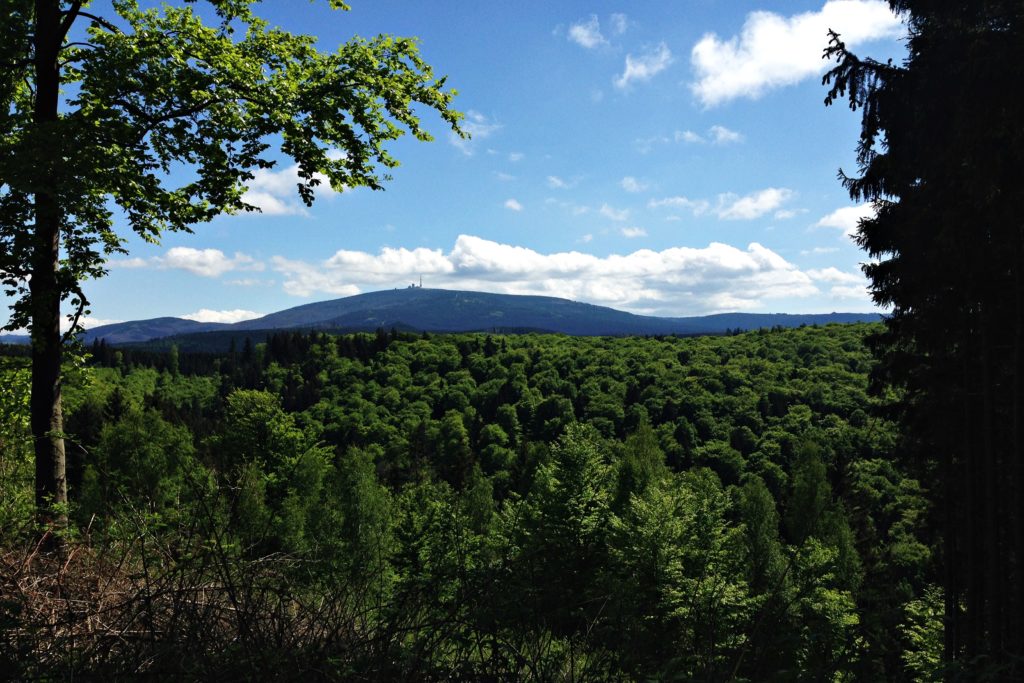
(939, 156)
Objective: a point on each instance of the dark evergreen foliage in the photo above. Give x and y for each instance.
(940, 155)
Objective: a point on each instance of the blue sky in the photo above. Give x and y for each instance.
(671, 158)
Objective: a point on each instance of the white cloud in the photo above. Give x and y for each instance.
(697, 206)
(587, 33)
(834, 275)
(633, 232)
(86, 321)
(515, 156)
(716, 135)
(644, 67)
(134, 262)
(586, 238)
(720, 135)
(205, 315)
(249, 282)
(303, 279)
(275, 193)
(773, 51)
(857, 292)
(556, 183)
(513, 205)
(675, 281)
(645, 145)
(844, 286)
(846, 218)
(613, 213)
(205, 262)
(631, 184)
(572, 208)
(619, 23)
(479, 128)
(345, 271)
(504, 177)
(269, 205)
(731, 207)
(819, 250)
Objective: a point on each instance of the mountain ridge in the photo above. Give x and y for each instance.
(445, 310)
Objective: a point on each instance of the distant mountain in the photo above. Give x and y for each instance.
(443, 310)
(143, 330)
(14, 339)
(132, 332)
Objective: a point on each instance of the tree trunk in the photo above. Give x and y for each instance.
(46, 418)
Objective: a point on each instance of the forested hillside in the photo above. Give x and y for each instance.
(532, 507)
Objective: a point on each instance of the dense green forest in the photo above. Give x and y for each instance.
(398, 506)
(500, 507)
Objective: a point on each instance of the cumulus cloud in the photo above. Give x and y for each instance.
(732, 207)
(556, 183)
(303, 278)
(275, 193)
(843, 286)
(633, 232)
(696, 206)
(346, 272)
(205, 262)
(134, 262)
(772, 51)
(720, 135)
(613, 213)
(513, 205)
(631, 184)
(675, 281)
(206, 315)
(716, 135)
(645, 66)
(479, 127)
(587, 33)
(834, 275)
(846, 218)
(729, 206)
(859, 293)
